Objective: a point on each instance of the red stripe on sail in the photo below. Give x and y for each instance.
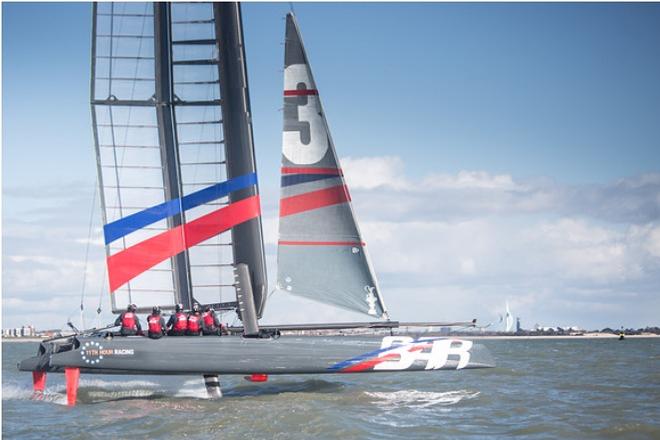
(314, 200)
(131, 262)
(309, 170)
(321, 243)
(301, 92)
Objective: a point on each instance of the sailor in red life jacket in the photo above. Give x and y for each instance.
(195, 321)
(156, 324)
(210, 322)
(178, 323)
(130, 325)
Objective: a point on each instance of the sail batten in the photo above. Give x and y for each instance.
(321, 253)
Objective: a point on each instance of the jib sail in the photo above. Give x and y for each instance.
(321, 254)
(175, 157)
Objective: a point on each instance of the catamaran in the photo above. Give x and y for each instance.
(181, 211)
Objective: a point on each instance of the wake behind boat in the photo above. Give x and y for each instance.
(178, 181)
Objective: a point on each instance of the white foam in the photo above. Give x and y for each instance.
(198, 381)
(192, 388)
(123, 385)
(99, 389)
(421, 399)
(15, 392)
(192, 392)
(120, 394)
(21, 392)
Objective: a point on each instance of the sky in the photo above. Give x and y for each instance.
(494, 152)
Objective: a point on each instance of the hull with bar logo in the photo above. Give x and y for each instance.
(285, 355)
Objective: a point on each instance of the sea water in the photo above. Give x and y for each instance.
(540, 389)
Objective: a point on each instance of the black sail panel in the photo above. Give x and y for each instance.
(239, 147)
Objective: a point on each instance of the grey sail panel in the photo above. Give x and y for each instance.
(321, 254)
(175, 189)
(129, 145)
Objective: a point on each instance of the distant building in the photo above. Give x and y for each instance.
(26, 331)
(518, 329)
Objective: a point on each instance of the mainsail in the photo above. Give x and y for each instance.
(175, 158)
(321, 254)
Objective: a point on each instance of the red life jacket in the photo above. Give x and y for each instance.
(209, 322)
(181, 322)
(193, 322)
(154, 324)
(128, 321)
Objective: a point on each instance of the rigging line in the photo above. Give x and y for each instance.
(89, 240)
(99, 309)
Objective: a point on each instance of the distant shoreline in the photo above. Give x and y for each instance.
(22, 339)
(584, 336)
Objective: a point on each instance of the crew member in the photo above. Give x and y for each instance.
(210, 322)
(194, 321)
(178, 323)
(130, 325)
(156, 324)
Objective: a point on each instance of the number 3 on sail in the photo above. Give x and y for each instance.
(304, 139)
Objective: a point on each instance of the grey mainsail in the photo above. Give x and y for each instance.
(173, 136)
(321, 254)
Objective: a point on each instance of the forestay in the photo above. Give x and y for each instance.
(321, 254)
(172, 200)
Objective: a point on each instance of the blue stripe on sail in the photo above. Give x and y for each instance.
(294, 179)
(133, 222)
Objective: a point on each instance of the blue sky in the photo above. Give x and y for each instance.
(509, 151)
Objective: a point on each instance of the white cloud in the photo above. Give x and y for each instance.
(562, 250)
(270, 225)
(475, 194)
(579, 249)
(652, 236)
(470, 179)
(374, 172)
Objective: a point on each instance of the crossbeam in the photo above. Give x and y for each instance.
(355, 325)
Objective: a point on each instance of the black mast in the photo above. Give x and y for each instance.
(239, 148)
